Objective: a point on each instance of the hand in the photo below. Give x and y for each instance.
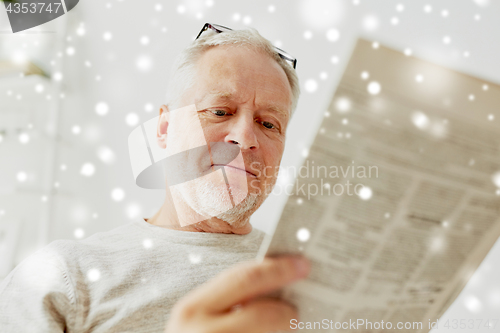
(211, 307)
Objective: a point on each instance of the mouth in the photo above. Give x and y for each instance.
(234, 167)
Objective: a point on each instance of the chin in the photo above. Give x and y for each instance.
(239, 215)
(213, 200)
(209, 196)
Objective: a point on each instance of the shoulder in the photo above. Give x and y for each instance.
(58, 251)
(42, 272)
(118, 234)
(63, 255)
(57, 265)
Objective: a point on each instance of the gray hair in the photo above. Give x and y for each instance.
(183, 70)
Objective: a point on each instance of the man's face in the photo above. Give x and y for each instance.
(241, 97)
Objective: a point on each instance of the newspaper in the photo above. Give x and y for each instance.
(418, 142)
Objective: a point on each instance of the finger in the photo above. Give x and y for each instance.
(247, 281)
(263, 315)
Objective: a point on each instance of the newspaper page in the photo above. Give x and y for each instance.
(398, 201)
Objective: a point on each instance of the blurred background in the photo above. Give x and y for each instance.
(73, 89)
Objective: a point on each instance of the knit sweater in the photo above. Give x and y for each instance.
(123, 280)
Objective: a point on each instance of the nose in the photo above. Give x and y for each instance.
(242, 133)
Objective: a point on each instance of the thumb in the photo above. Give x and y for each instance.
(249, 280)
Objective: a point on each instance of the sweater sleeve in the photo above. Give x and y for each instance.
(37, 296)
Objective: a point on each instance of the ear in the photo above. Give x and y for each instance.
(161, 131)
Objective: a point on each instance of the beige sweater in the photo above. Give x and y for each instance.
(123, 280)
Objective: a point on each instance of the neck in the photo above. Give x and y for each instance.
(167, 217)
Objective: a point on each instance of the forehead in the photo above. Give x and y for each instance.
(242, 74)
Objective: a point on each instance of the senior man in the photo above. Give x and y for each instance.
(241, 91)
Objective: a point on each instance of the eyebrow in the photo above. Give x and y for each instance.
(220, 95)
(278, 110)
(229, 95)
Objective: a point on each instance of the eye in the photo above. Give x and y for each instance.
(268, 125)
(219, 113)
